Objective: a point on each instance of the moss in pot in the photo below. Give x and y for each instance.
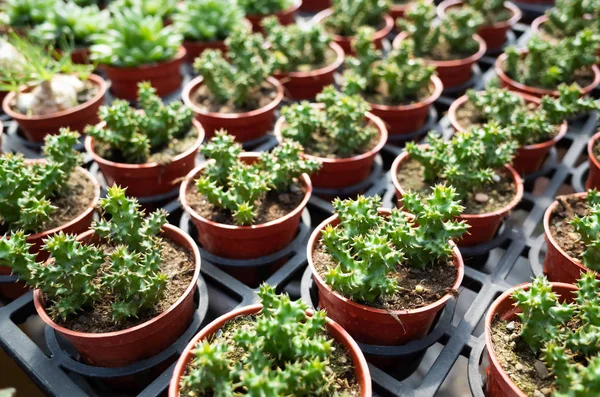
(23, 14)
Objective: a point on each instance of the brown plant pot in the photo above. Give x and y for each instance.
(455, 72)
(340, 173)
(244, 126)
(494, 35)
(164, 76)
(306, 85)
(405, 119)
(244, 242)
(346, 41)
(483, 226)
(285, 17)
(513, 85)
(35, 128)
(315, 5)
(81, 56)
(149, 179)
(77, 225)
(398, 10)
(361, 369)
(377, 326)
(593, 179)
(121, 348)
(558, 265)
(529, 158)
(498, 382)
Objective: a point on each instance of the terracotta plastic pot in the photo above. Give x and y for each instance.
(77, 225)
(121, 348)
(340, 173)
(35, 128)
(81, 56)
(371, 325)
(593, 179)
(455, 72)
(245, 126)
(306, 85)
(244, 242)
(361, 369)
(315, 5)
(398, 10)
(405, 119)
(529, 158)
(494, 35)
(285, 17)
(498, 382)
(513, 85)
(150, 179)
(346, 41)
(164, 76)
(558, 265)
(483, 226)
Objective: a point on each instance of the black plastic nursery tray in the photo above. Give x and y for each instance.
(448, 362)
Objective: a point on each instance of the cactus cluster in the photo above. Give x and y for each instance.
(294, 45)
(468, 161)
(565, 335)
(454, 33)
(207, 20)
(569, 17)
(548, 64)
(26, 189)
(237, 187)
(264, 7)
(337, 129)
(493, 11)
(74, 278)
(349, 15)
(367, 247)
(400, 77)
(588, 226)
(132, 135)
(286, 352)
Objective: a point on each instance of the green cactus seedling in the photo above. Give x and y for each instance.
(588, 227)
(349, 15)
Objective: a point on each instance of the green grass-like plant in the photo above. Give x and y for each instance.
(132, 135)
(234, 186)
(588, 227)
(207, 20)
(264, 7)
(349, 15)
(25, 13)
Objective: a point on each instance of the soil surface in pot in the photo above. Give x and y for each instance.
(47, 106)
(560, 225)
(177, 264)
(163, 155)
(380, 96)
(330, 58)
(261, 97)
(488, 199)
(443, 52)
(436, 281)
(275, 205)
(583, 77)
(79, 195)
(332, 30)
(340, 362)
(518, 360)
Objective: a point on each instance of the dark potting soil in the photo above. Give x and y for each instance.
(560, 225)
(89, 91)
(275, 205)
(443, 52)
(583, 77)
(380, 96)
(330, 58)
(321, 145)
(436, 281)
(499, 194)
(263, 96)
(177, 264)
(340, 365)
(518, 360)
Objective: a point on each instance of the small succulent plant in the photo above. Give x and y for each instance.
(296, 45)
(547, 64)
(134, 39)
(341, 123)
(26, 189)
(588, 227)
(279, 360)
(155, 8)
(569, 17)
(349, 15)
(367, 247)
(234, 186)
(132, 135)
(468, 161)
(25, 13)
(251, 64)
(264, 7)
(455, 32)
(207, 20)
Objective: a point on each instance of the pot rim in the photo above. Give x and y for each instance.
(536, 24)
(540, 91)
(192, 85)
(379, 33)
(41, 307)
(339, 60)
(508, 5)
(489, 318)
(316, 234)
(452, 62)
(518, 181)
(370, 117)
(590, 148)
(191, 176)
(181, 52)
(94, 78)
(89, 147)
(333, 327)
(293, 8)
(438, 87)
